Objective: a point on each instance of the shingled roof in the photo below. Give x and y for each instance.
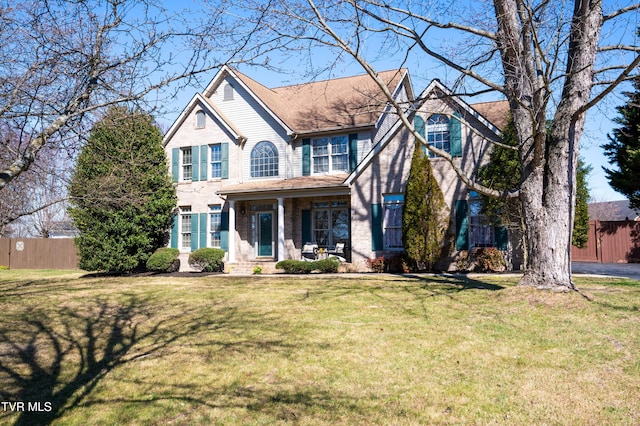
(497, 112)
(328, 104)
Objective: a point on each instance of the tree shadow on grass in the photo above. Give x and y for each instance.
(58, 357)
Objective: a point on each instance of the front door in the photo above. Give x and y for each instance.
(265, 234)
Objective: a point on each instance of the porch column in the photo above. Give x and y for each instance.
(232, 231)
(280, 229)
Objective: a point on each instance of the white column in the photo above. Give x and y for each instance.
(232, 232)
(280, 229)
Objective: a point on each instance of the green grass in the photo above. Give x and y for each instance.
(345, 349)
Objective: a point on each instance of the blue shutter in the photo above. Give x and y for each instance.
(203, 229)
(194, 231)
(462, 225)
(175, 164)
(204, 161)
(377, 214)
(306, 157)
(174, 232)
(455, 135)
(195, 164)
(353, 151)
(418, 125)
(306, 226)
(502, 237)
(224, 230)
(224, 153)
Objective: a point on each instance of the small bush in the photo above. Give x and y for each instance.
(301, 267)
(295, 266)
(328, 265)
(207, 259)
(4, 268)
(490, 259)
(164, 259)
(257, 270)
(377, 264)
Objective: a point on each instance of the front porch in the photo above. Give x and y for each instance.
(273, 222)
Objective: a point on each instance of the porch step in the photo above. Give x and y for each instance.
(249, 268)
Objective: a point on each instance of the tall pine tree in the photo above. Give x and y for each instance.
(121, 193)
(623, 149)
(425, 215)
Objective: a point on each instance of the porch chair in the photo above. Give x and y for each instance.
(338, 252)
(309, 251)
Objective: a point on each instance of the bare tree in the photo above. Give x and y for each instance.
(551, 60)
(63, 61)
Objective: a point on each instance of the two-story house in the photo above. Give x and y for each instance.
(261, 172)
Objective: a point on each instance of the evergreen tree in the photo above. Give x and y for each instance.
(580, 234)
(425, 215)
(623, 149)
(121, 193)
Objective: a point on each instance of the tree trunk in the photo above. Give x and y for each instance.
(549, 161)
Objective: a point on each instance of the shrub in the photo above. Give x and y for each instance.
(164, 259)
(328, 265)
(4, 268)
(257, 270)
(207, 259)
(377, 264)
(301, 267)
(489, 259)
(295, 266)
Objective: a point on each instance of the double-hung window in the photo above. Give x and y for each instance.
(216, 161)
(185, 227)
(215, 225)
(438, 133)
(187, 160)
(393, 205)
(330, 154)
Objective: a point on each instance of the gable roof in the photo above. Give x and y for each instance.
(612, 211)
(347, 102)
(496, 110)
(198, 99)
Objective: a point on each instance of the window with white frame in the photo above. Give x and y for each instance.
(330, 154)
(185, 227)
(186, 163)
(481, 231)
(215, 225)
(438, 133)
(264, 160)
(216, 161)
(393, 205)
(200, 119)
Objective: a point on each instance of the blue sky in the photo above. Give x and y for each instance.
(423, 70)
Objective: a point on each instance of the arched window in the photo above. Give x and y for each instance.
(438, 133)
(200, 119)
(264, 160)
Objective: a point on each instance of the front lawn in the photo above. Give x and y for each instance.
(310, 350)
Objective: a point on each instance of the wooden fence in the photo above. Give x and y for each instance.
(38, 253)
(610, 242)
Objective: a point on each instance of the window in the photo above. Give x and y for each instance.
(330, 223)
(228, 93)
(185, 227)
(481, 230)
(216, 161)
(438, 133)
(393, 205)
(264, 160)
(215, 225)
(200, 119)
(330, 154)
(186, 163)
